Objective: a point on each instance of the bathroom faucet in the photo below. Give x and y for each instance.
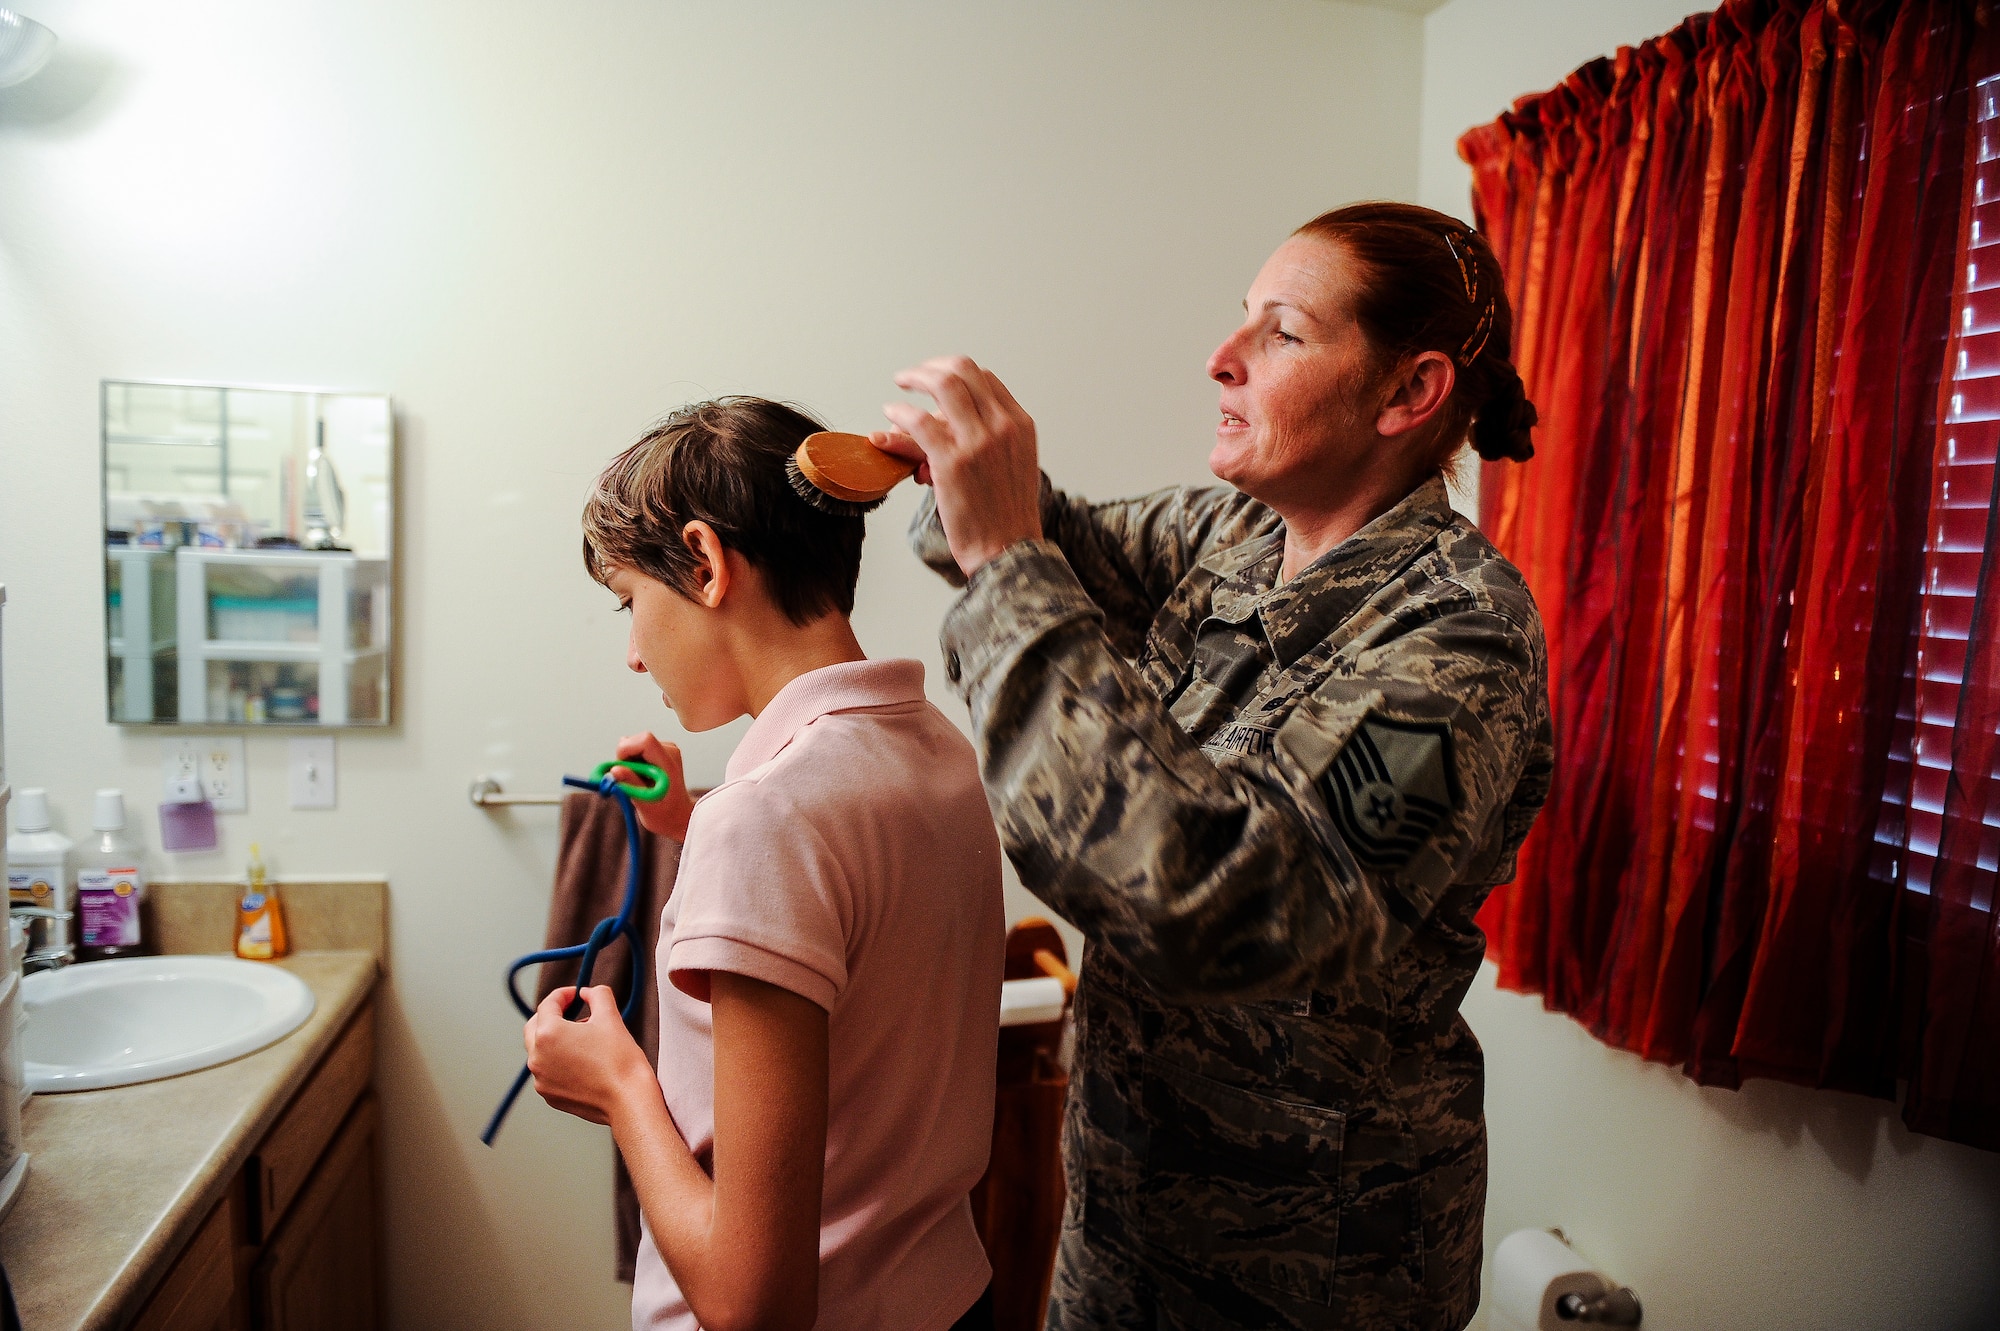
(47, 958)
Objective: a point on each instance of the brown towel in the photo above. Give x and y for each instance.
(590, 884)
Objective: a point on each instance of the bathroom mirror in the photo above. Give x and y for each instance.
(247, 554)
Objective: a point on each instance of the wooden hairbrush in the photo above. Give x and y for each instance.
(844, 474)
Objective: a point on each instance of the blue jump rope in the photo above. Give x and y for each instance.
(621, 925)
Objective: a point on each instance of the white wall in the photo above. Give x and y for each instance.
(1772, 1207)
(540, 227)
(1480, 55)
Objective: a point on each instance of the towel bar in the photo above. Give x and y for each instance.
(485, 793)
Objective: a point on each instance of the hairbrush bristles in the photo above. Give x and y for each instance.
(824, 502)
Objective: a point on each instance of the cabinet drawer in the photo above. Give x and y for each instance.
(294, 1144)
(197, 1293)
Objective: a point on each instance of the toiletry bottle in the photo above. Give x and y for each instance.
(38, 872)
(110, 884)
(260, 920)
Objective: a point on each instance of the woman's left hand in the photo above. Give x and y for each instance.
(980, 450)
(583, 1067)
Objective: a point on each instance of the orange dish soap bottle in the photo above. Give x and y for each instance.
(260, 920)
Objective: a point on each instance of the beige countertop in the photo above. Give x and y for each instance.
(120, 1179)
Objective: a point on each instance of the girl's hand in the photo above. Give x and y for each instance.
(668, 817)
(584, 1067)
(979, 447)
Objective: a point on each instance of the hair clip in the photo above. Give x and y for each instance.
(1468, 270)
(1481, 331)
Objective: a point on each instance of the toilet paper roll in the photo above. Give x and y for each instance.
(1532, 1269)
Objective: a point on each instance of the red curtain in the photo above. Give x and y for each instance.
(1744, 260)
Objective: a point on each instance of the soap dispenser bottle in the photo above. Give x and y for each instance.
(110, 884)
(260, 920)
(38, 875)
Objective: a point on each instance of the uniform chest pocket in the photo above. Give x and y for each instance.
(1240, 1191)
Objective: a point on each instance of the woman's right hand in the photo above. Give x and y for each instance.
(668, 816)
(978, 451)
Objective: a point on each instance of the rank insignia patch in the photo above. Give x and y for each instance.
(1389, 788)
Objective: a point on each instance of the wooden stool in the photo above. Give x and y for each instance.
(1018, 1205)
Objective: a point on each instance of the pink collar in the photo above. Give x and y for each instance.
(835, 688)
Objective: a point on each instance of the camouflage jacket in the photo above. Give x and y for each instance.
(1272, 811)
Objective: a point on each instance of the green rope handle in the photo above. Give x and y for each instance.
(657, 791)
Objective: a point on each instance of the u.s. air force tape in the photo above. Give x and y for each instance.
(1389, 788)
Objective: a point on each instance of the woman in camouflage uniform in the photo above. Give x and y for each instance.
(1268, 745)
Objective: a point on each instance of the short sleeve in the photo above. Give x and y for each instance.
(759, 893)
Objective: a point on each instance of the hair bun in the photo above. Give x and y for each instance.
(1505, 425)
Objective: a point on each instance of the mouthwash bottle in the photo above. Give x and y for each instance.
(38, 871)
(110, 884)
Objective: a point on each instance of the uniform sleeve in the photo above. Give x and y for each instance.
(760, 894)
(1264, 877)
(1128, 554)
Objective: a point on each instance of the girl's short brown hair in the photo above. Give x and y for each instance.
(723, 463)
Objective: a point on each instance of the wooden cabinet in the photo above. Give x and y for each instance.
(291, 1246)
(298, 1141)
(317, 1272)
(199, 1294)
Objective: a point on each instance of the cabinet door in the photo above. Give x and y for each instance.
(319, 1271)
(198, 1293)
(298, 1142)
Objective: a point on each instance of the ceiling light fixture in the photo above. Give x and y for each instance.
(25, 46)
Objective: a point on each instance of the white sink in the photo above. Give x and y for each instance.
(112, 1023)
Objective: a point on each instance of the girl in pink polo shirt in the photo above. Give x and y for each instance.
(829, 962)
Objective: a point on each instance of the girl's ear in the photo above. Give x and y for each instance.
(711, 563)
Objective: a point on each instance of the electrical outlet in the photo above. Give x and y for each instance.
(215, 760)
(225, 776)
(180, 765)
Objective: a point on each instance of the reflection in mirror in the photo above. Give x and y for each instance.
(247, 554)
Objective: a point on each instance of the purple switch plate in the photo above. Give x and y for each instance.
(187, 826)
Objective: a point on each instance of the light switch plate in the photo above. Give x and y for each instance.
(216, 760)
(312, 772)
